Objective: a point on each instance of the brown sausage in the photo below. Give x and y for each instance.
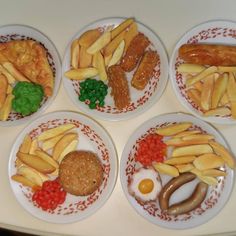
(171, 186)
(134, 52)
(208, 54)
(145, 70)
(190, 203)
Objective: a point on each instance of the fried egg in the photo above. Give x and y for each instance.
(145, 184)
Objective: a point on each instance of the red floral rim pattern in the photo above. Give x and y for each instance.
(203, 35)
(81, 203)
(152, 207)
(13, 116)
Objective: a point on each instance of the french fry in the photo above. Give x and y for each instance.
(9, 89)
(112, 46)
(100, 65)
(81, 73)
(207, 90)
(117, 54)
(219, 90)
(75, 52)
(226, 68)
(6, 108)
(214, 172)
(36, 163)
(224, 100)
(50, 133)
(180, 160)
(121, 27)
(85, 59)
(89, 37)
(70, 147)
(132, 31)
(198, 86)
(219, 111)
(46, 157)
(23, 180)
(26, 144)
(224, 153)
(10, 78)
(50, 143)
(33, 147)
(166, 169)
(208, 180)
(107, 60)
(185, 167)
(231, 94)
(203, 74)
(190, 68)
(62, 144)
(173, 129)
(100, 43)
(198, 149)
(186, 133)
(14, 72)
(208, 161)
(3, 89)
(195, 96)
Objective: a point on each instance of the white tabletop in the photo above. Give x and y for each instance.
(60, 20)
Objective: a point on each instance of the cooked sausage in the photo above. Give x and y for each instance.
(119, 86)
(171, 186)
(208, 54)
(145, 70)
(134, 52)
(190, 203)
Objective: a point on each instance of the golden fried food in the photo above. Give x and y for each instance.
(134, 52)
(145, 70)
(119, 86)
(29, 57)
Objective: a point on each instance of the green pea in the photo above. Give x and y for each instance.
(92, 105)
(101, 103)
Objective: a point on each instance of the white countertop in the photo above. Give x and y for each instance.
(60, 20)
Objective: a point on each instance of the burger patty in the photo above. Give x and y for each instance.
(80, 173)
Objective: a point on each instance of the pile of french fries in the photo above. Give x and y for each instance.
(94, 51)
(193, 151)
(9, 75)
(38, 159)
(213, 88)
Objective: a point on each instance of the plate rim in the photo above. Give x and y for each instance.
(57, 61)
(123, 160)
(112, 184)
(185, 104)
(114, 117)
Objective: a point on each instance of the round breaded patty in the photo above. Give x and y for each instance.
(80, 173)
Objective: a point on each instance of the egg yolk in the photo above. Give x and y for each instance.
(146, 186)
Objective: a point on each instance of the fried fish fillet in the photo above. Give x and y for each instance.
(119, 86)
(29, 57)
(145, 70)
(134, 52)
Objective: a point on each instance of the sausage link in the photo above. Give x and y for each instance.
(190, 203)
(171, 186)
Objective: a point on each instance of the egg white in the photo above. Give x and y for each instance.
(140, 175)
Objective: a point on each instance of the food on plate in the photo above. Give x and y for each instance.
(26, 144)
(27, 98)
(11, 80)
(51, 142)
(3, 89)
(134, 52)
(182, 168)
(93, 92)
(89, 37)
(85, 59)
(190, 203)
(6, 108)
(151, 148)
(115, 58)
(170, 187)
(50, 195)
(213, 172)
(25, 181)
(131, 32)
(119, 86)
(80, 173)
(173, 129)
(98, 62)
(145, 184)
(145, 70)
(81, 73)
(29, 59)
(75, 54)
(121, 27)
(208, 54)
(180, 160)
(166, 169)
(46, 157)
(209, 76)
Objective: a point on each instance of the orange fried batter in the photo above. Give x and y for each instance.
(29, 57)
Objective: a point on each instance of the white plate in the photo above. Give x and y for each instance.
(216, 197)
(140, 100)
(218, 32)
(23, 32)
(91, 137)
